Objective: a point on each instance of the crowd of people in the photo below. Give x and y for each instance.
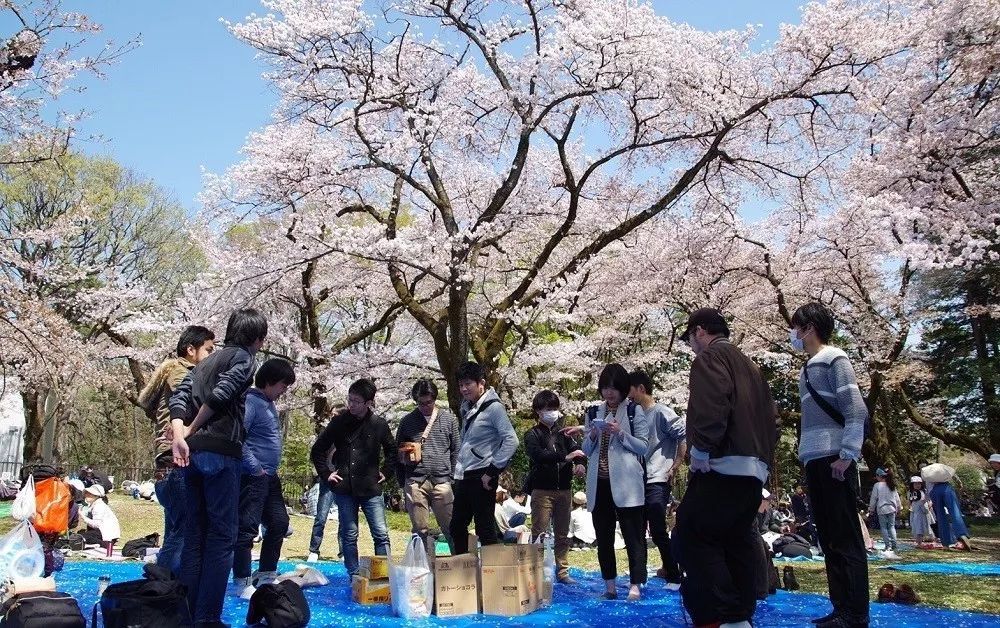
(220, 445)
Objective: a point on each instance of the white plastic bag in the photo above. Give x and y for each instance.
(411, 582)
(23, 507)
(21, 554)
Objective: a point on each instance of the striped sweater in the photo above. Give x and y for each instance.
(832, 376)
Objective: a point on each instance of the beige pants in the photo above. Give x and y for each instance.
(553, 506)
(423, 497)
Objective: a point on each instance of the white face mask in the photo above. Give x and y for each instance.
(797, 343)
(549, 417)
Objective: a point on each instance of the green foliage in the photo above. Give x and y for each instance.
(960, 347)
(295, 464)
(104, 429)
(970, 476)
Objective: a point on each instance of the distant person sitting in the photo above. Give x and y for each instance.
(581, 523)
(515, 507)
(102, 524)
(512, 530)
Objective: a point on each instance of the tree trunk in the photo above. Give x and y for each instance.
(34, 426)
(977, 296)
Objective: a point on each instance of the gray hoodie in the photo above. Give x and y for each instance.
(488, 440)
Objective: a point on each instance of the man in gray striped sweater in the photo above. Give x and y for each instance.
(833, 426)
(428, 444)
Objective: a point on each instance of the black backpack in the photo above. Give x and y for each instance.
(279, 605)
(158, 601)
(42, 609)
(72, 541)
(136, 548)
(39, 471)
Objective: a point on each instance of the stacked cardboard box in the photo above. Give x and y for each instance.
(456, 585)
(512, 579)
(371, 585)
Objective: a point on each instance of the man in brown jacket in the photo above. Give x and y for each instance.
(731, 434)
(195, 344)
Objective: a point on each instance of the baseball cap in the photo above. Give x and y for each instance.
(702, 318)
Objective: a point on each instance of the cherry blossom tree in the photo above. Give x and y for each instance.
(482, 156)
(90, 257)
(39, 61)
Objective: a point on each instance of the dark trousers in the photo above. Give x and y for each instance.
(213, 487)
(261, 502)
(716, 545)
(473, 502)
(172, 496)
(657, 503)
(633, 524)
(835, 511)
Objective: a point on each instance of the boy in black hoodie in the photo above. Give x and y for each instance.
(206, 413)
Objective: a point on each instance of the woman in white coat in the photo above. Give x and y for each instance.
(100, 518)
(615, 443)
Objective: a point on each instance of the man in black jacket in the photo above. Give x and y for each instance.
(206, 413)
(353, 473)
(553, 457)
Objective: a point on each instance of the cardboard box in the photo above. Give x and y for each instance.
(456, 585)
(374, 567)
(368, 592)
(511, 579)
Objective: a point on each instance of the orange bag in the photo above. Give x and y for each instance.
(52, 500)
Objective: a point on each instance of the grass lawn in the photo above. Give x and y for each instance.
(140, 517)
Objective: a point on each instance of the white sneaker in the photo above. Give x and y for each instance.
(312, 558)
(889, 554)
(247, 592)
(673, 586)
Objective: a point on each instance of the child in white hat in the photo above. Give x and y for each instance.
(920, 510)
(100, 517)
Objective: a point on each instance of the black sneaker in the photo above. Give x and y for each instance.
(825, 618)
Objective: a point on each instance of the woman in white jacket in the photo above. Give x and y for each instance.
(616, 445)
(886, 504)
(100, 517)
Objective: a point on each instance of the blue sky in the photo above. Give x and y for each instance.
(187, 98)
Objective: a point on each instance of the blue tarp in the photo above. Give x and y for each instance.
(951, 569)
(577, 605)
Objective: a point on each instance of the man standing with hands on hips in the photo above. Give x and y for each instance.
(488, 443)
(354, 473)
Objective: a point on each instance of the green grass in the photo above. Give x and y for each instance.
(139, 517)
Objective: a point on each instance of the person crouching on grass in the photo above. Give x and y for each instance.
(261, 501)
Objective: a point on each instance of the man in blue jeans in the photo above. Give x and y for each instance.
(352, 473)
(324, 502)
(206, 412)
(195, 344)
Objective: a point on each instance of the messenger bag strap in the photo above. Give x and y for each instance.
(824, 405)
(430, 424)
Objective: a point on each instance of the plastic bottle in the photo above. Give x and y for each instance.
(548, 569)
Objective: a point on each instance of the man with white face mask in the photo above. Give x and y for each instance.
(554, 458)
